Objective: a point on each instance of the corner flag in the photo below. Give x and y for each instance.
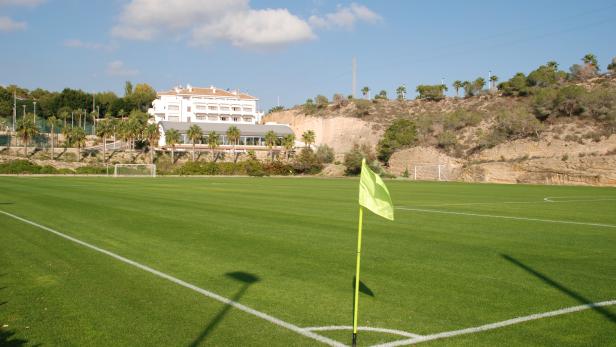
(373, 195)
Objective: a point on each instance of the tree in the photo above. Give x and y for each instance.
(591, 59)
(308, 137)
(275, 109)
(434, 92)
(401, 133)
(152, 133)
(64, 113)
(194, 134)
(457, 85)
(288, 142)
(516, 86)
(321, 101)
(233, 135)
(493, 80)
(103, 131)
(270, 141)
(365, 91)
(142, 96)
(53, 122)
(401, 92)
(128, 89)
(213, 141)
(552, 65)
(382, 95)
(612, 66)
(309, 107)
(478, 84)
(26, 130)
(172, 136)
(78, 138)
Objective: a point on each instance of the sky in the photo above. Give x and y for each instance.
(292, 50)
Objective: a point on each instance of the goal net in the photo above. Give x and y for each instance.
(134, 170)
(430, 172)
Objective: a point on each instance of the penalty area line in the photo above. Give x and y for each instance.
(507, 217)
(496, 325)
(182, 283)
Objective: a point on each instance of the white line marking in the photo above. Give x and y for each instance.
(207, 293)
(551, 199)
(379, 330)
(508, 217)
(497, 325)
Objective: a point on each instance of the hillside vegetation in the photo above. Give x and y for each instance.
(547, 106)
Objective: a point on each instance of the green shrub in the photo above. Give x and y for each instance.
(460, 119)
(362, 107)
(401, 133)
(25, 167)
(307, 162)
(325, 154)
(91, 170)
(353, 159)
(431, 92)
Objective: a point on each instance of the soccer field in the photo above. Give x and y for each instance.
(270, 262)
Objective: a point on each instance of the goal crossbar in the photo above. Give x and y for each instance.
(134, 170)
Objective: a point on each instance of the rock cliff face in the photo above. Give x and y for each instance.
(338, 132)
(547, 160)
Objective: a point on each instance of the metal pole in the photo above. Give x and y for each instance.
(439, 172)
(14, 108)
(415, 175)
(24, 110)
(34, 102)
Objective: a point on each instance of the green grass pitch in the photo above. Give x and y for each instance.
(286, 247)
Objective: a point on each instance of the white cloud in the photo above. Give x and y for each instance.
(30, 3)
(206, 21)
(270, 27)
(7, 24)
(76, 43)
(345, 17)
(117, 68)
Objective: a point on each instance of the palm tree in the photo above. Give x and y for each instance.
(103, 131)
(121, 113)
(591, 59)
(401, 92)
(212, 141)
(493, 80)
(78, 137)
(26, 130)
(308, 137)
(195, 134)
(365, 91)
(152, 133)
(288, 142)
(134, 129)
(457, 85)
(552, 65)
(233, 134)
(64, 115)
(270, 141)
(53, 122)
(172, 137)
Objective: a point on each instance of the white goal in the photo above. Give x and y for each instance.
(434, 172)
(134, 170)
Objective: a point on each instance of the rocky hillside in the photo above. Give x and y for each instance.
(565, 134)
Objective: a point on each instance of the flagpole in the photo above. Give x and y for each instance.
(356, 294)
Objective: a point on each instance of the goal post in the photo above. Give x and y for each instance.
(435, 172)
(134, 170)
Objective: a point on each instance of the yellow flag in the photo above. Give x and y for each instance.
(373, 193)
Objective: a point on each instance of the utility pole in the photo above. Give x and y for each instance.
(34, 102)
(24, 110)
(278, 101)
(354, 76)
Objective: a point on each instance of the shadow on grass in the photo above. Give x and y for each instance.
(244, 277)
(571, 293)
(363, 288)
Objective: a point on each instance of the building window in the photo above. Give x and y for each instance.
(236, 119)
(247, 119)
(223, 119)
(187, 108)
(174, 108)
(201, 117)
(212, 108)
(236, 108)
(247, 109)
(200, 107)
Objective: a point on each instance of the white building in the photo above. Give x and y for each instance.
(212, 105)
(213, 110)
